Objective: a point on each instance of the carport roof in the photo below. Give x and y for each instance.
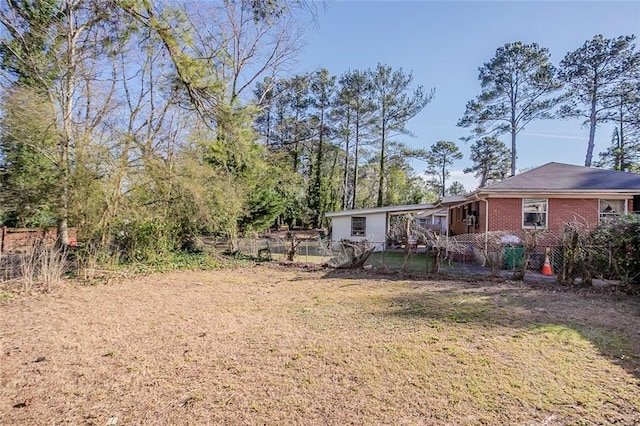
(410, 208)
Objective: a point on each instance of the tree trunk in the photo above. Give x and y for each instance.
(444, 162)
(435, 263)
(296, 149)
(513, 150)
(621, 155)
(66, 99)
(382, 154)
(356, 152)
(345, 174)
(592, 130)
(316, 186)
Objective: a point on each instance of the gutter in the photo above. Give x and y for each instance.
(567, 193)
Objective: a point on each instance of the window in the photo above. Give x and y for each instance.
(611, 208)
(534, 212)
(358, 226)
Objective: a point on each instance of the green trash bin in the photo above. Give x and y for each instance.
(512, 255)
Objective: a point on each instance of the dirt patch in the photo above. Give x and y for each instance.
(281, 345)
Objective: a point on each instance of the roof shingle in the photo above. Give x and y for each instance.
(565, 177)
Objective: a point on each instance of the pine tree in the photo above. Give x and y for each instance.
(322, 89)
(592, 74)
(395, 105)
(516, 87)
(354, 107)
(439, 158)
(490, 158)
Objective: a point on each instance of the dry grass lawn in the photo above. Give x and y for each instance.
(275, 345)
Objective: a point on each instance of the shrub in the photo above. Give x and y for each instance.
(615, 250)
(574, 254)
(144, 241)
(42, 266)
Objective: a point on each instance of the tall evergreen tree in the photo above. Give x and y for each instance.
(624, 152)
(516, 87)
(355, 107)
(28, 54)
(395, 105)
(439, 158)
(456, 188)
(592, 73)
(322, 89)
(490, 158)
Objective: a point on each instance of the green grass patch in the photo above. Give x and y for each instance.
(4, 296)
(176, 261)
(391, 260)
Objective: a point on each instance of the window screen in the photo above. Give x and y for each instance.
(534, 212)
(358, 226)
(610, 208)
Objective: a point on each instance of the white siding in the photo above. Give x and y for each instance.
(376, 229)
(341, 228)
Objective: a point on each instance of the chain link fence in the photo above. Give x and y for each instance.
(524, 250)
(495, 250)
(518, 251)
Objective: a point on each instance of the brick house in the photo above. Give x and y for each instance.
(546, 197)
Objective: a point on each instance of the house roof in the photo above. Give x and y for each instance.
(558, 177)
(389, 209)
(450, 200)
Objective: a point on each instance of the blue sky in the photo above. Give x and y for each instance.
(444, 43)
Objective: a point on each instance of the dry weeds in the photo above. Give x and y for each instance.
(270, 345)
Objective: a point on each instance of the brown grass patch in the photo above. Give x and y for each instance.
(268, 345)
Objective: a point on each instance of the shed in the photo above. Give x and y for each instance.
(372, 224)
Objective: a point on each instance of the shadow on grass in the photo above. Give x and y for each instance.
(451, 272)
(609, 322)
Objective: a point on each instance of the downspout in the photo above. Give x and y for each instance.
(446, 234)
(387, 228)
(486, 225)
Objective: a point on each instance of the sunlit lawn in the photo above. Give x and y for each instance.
(267, 345)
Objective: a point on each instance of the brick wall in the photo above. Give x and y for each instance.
(562, 211)
(506, 213)
(19, 239)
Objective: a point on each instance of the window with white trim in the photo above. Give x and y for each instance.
(534, 212)
(612, 208)
(358, 226)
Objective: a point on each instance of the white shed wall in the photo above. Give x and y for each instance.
(376, 229)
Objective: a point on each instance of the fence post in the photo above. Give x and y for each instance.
(4, 232)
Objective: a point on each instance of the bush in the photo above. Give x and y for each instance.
(574, 256)
(174, 261)
(144, 241)
(615, 250)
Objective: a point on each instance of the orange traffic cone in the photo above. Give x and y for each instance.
(546, 268)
